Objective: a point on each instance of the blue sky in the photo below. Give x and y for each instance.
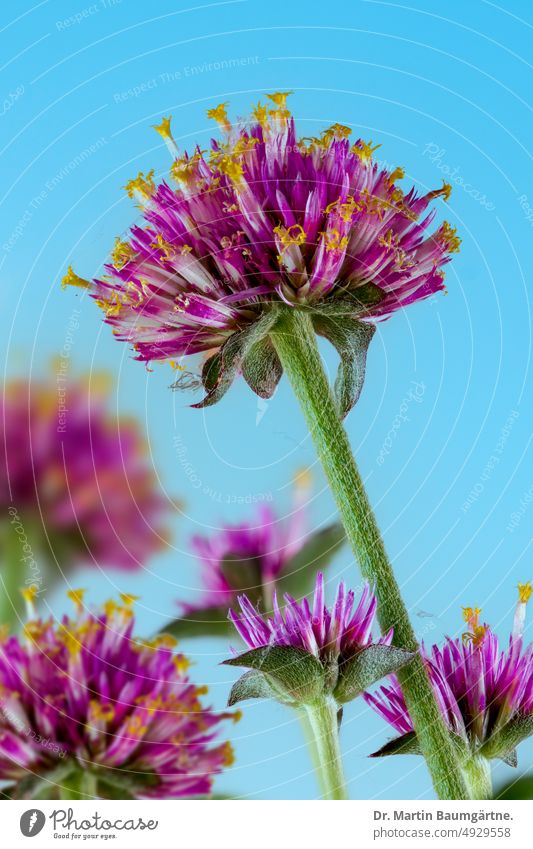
(448, 97)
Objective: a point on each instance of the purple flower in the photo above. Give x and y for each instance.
(256, 558)
(327, 634)
(86, 695)
(485, 693)
(72, 471)
(266, 218)
(312, 648)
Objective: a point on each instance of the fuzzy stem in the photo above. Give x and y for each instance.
(478, 777)
(323, 725)
(295, 342)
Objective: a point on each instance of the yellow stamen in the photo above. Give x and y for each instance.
(220, 115)
(364, 150)
(129, 599)
(293, 235)
(141, 187)
(164, 128)
(397, 174)
(524, 592)
(279, 98)
(77, 597)
(447, 235)
(167, 249)
(29, 594)
(122, 253)
(334, 241)
(260, 113)
(105, 711)
(72, 279)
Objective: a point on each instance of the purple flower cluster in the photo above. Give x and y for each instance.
(480, 688)
(328, 634)
(84, 694)
(80, 472)
(265, 217)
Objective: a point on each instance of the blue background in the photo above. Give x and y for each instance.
(438, 92)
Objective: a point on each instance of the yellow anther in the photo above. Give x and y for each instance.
(122, 253)
(129, 599)
(334, 241)
(524, 592)
(447, 235)
(164, 128)
(397, 174)
(444, 192)
(136, 727)
(29, 594)
(227, 754)
(177, 366)
(112, 305)
(167, 248)
(293, 235)
(279, 98)
(471, 614)
(260, 113)
(220, 115)
(181, 662)
(70, 640)
(231, 167)
(336, 131)
(72, 279)
(141, 187)
(364, 150)
(77, 597)
(104, 711)
(345, 209)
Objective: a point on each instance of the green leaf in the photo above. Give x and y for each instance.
(406, 744)
(211, 622)
(220, 370)
(252, 685)
(351, 339)
(296, 675)
(520, 788)
(243, 574)
(508, 738)
(262, 369)
(511, 758)
(299, 574)
(366, 667)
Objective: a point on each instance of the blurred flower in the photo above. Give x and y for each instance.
(323, 650)
(75, 473)
(85, 699)
(266, 218)
(256, 557)
(485, 695)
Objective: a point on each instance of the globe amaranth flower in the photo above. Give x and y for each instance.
(485, 693)
(265, 219)
(307, 650)
(256, 557)
(73, 473)
(85, 697)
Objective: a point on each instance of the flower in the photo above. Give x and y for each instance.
(84, 695)
(264, 219)
(308, 648)
(257, 557)
(485, 694)
(72, 471)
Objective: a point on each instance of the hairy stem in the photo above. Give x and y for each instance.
(478, 777)
(323, 725)
(295, 342)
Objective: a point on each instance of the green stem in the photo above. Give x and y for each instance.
(312, 747)
(322, 718)
(80, 784)
(295, 342)
(478, 777)
(11, 578)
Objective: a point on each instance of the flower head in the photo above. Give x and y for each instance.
(485, 693)
(71, 470)
(85, 694)
(308, 647)
(266, 218)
